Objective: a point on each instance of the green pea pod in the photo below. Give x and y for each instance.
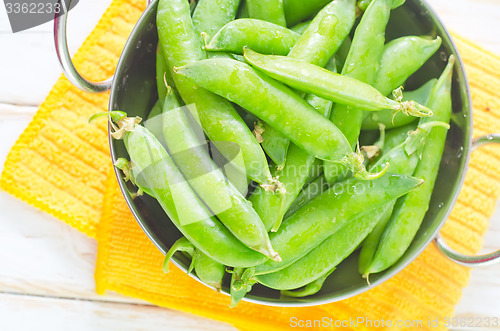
(342, 53)
(298, 166)
(301, 27)
(161, 76)
(241, 283)
(267, 10)
(403, 159)
(336, 248)
(312, 224)
(329, 85)
(397, 136)
(272, 102)
(274, 143)
(271, 206)
(211, 15)
(391, 120)
(401, 58)
(363, 4)
(189, 152)
(249, 118)
(243, 10)
(156, 110)
(369, 40)
(316, 171)
(208, 270)
(310, 289)
(153, 124)
(326, 256)
(411, 209)
(311, 191)
(181, 45)
(156, 171)
(298, 10)
(362, 64)
(317, 45)
(326, 33)
(259, 35)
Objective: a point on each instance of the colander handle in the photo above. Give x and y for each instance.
(69, 70)
(472, 260)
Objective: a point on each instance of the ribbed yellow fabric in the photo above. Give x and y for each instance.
(61, 165)
(60, 162)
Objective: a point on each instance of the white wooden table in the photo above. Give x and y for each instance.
(47, 268)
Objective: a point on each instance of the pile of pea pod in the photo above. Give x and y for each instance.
(337, 157)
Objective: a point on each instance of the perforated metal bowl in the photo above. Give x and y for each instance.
(133, 90)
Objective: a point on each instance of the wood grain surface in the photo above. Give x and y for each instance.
(47, 268)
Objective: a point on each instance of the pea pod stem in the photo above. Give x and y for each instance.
(329, 85)
(394, 120)
(181, 245)
(274, 143)
(310, 289)
(113, 116)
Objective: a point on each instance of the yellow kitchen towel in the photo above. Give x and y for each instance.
(61, 165)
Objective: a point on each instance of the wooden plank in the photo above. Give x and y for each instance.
(474, 19)
(482, 296)
(28, 62)
(20, 312)
(51, 258)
